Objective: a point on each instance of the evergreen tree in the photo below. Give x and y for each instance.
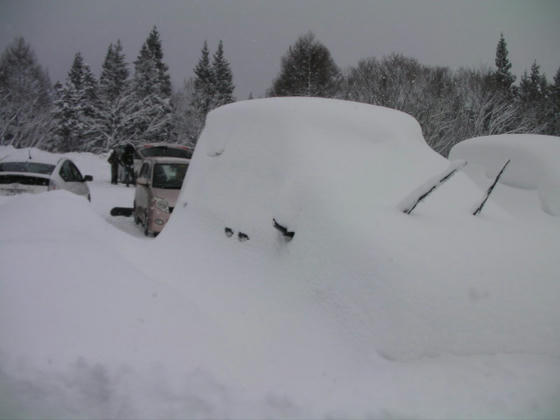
(148, 101)
(533, 96)
(204, 89)
(204, 85)
(76, 109)
(153, 45)
(223, 79)
(114, 73)
(307, 70)
(554, 127)
(25, 97)
(113, 91)
(503, 77)
(533, 88)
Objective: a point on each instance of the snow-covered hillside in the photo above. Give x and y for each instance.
(366, 312)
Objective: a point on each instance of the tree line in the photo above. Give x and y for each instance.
(449, 105)
(86, 113)
(89, 114)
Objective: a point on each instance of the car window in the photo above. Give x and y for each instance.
(169, 175)
(144, 171)
(166, 151)
(65, 172)
(69, 172)
(76, 174)
(38, 168)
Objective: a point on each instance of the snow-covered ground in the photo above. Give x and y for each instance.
(365, 313)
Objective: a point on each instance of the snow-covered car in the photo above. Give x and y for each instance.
(533, 170)
(157, 187)
(29, 173)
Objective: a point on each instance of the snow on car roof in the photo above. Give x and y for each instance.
(32, 155)
(534, 158)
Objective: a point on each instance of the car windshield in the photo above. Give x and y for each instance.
(169, 175)
(34, 167)
(157, 151)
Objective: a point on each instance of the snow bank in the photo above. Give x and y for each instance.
(406, 286)
(365, 313)
(535, 163)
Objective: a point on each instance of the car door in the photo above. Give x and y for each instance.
(141, 195)
(73, 179)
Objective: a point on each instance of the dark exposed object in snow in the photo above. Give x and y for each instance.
(242, 237)
(288, 235)
(490, 189)
(122, 211)
(433, 184)
(229, 232)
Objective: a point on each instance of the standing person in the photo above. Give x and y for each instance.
(128, 161)
(113, 159)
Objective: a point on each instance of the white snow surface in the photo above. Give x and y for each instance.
(11, 154)
(533, 165)
(365, 313)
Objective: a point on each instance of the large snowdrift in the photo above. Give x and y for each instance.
(366, 312)
(406, 286)
(535, 163)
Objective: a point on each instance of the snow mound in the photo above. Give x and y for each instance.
(367, 268)
(365, 313)
(294, 159)
(535, 163)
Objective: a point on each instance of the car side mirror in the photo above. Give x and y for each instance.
(87, 178)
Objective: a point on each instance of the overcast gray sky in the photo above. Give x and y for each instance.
(256, 33)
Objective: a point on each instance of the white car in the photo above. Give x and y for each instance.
(35, 172)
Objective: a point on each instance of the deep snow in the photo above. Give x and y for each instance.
(367, 312)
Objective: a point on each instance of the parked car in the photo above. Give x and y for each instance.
(157, 187)
(47, 172)
(164, 149)
(149, 150)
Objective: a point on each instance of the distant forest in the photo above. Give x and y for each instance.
(138, 104)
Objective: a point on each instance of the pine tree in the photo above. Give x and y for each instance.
(148, 101)
(223, 79)
(76, 109)
(503, 77)
(534, 99)
(554, 127)
(114, 73)
(25, 97)
(204, 85)
(307, 70)
(153, 45)
(204, 89)
(113, 90)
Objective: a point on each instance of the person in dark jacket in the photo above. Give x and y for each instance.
(128, 162)
(114, 161)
